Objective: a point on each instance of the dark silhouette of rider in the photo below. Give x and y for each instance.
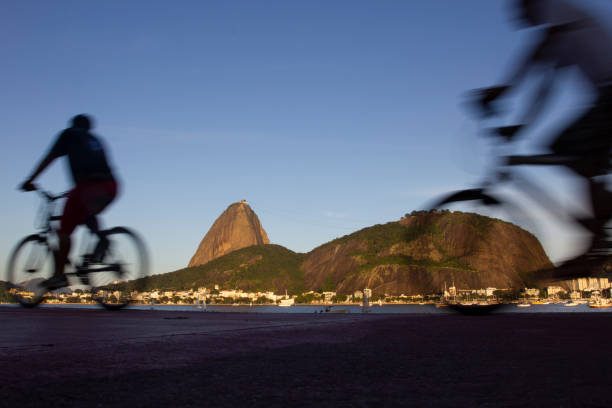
(568, 36)
(95, 187)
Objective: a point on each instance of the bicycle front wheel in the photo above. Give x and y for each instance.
(483, 203)
(118, 278)
(30, 263)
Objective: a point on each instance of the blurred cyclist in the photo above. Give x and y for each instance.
(568, 36)
(95, 187)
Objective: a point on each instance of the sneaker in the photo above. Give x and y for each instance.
(55, 282)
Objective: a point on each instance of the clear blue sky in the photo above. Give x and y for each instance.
(325, 116)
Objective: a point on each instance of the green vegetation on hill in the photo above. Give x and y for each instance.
(256, 268)
(382, 237)
(378, 237)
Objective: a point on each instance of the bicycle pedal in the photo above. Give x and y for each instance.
(83, 277)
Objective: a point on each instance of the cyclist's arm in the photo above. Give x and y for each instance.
(57, 150)
(514, 78)
(44, 163)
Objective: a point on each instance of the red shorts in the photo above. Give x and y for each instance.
(86, 199)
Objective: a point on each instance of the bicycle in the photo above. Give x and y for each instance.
(111, 262)
(486, 199)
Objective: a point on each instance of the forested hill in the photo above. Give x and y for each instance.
(256, 268)
(416, 255)
(425, 250)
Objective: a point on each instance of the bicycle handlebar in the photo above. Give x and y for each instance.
(47, 195)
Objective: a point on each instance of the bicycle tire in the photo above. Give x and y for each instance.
(483, 203)
(24, 278)
(128, 258)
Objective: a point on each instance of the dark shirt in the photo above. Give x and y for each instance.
(85, 155)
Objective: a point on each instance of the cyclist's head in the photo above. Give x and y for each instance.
(81, 122)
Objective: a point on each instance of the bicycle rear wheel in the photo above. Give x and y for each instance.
(117, 279)
(30, 263)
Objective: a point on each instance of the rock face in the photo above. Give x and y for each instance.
(422, 252)
(238, 227)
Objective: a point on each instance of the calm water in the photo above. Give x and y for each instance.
(394, 309)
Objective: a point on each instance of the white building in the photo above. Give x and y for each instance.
(589, 284)
(328, 296)
(554, 290)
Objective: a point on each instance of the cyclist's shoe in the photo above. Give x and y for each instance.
(55, 282)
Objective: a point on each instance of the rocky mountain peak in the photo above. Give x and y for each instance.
(237, 227)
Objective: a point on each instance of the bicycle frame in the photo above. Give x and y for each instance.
(48, 229)
(501, 171)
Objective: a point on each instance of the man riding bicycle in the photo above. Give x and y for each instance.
(95, 187)
(568, 36)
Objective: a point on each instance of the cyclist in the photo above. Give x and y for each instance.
(568, 36)
(95, 187)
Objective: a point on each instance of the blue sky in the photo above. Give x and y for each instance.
(325, 116)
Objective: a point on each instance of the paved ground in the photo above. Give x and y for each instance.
(75, 357)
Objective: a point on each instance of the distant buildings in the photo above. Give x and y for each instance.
(589, 284)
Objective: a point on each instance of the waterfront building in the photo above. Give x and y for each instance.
(328, 296)
(368, 292)
(554, 290)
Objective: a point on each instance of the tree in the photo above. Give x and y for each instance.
(307, 298)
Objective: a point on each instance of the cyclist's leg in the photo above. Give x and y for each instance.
(590, 139)
(99, 196)
(74, 214)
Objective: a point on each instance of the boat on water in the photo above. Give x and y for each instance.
(523, 304)
(286, 302)
(600, 303)
(537, 302)
(571, 304)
